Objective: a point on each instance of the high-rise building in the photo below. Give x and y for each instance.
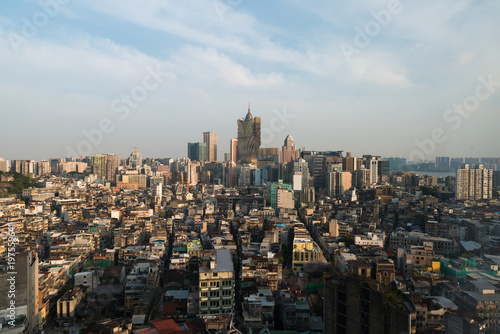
(396, 164)
(301, 166)
(233, 150)
(197, 151)
(112, 163)
(43, 167)
(98, 165)
(249, 138)
(337, 183)
(474, 184)
(443, 162)
(105, 166)
(361, 178)
(288, 151)
(210, 138)
(358, 304)
(4, 165)
(25, 276)
(268, 155)
(496, 179)
(135, 159)
(384, 167)
(349, 163)
(216, 277)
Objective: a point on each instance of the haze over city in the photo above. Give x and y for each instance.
(364, 76)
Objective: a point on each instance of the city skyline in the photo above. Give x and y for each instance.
(67, 70)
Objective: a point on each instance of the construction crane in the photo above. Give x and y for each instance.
(184, 182)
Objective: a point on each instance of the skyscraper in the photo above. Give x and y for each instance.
(135, 159)
(210, 138)
(288, 151)
(249, 138)
(349, 163)
(112, 163)
(197, 151)
(233, 150)
(474, 184)
(337, 183)
(98, 165)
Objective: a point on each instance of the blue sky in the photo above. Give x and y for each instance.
(383, 96)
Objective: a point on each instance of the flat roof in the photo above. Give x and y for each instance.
(223, 262)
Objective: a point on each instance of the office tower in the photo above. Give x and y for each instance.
(44, 167)
(230, 179)
(98, 165)
(210, 139)
(349, 163)
(248, 138)
(216, 277)
(135, 159)
(233, 150)
(474, 184)
(288, 151)
(4, 165)
(26, 291)
(274, 192)
(383, 167)
(112, 163)
(197, 151)
(337, 183)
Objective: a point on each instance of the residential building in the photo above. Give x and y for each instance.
(474, 183)
(216, 279)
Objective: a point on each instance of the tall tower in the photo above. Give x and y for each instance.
(249, 138)
(135, 159)
(288, 151)
(474, 183)
(210, 138)
(112, 163)
(233, 150)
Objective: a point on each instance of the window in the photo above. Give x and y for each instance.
(203, 284)
(216, 274)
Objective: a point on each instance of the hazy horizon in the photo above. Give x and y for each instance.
(368, 77)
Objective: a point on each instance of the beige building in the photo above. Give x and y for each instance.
(474, 183)
(210, 138)
(216, 279)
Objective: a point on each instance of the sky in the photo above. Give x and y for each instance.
(415, 79)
